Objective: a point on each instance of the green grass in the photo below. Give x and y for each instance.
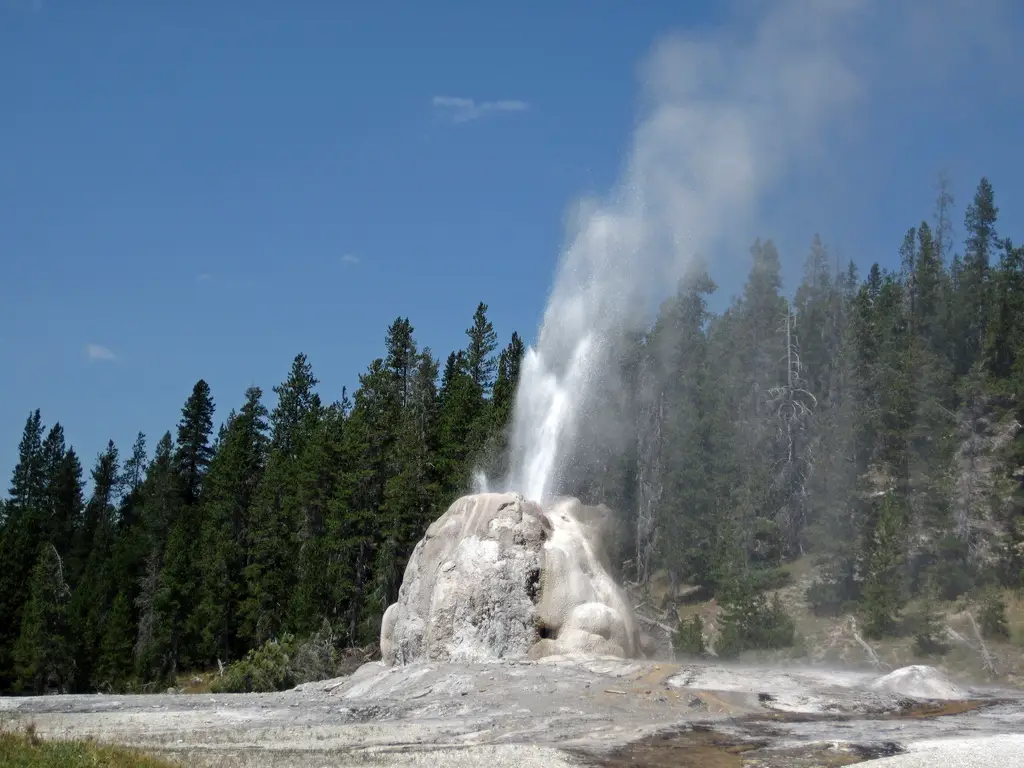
(25, 749)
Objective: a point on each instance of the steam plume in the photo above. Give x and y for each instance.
(723, 116)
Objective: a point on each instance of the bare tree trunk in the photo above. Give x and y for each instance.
(649, 487)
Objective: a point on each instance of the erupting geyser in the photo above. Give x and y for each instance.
(504, 575)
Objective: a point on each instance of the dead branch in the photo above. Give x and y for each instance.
(875, 661)
(658, 624)
(986, 657)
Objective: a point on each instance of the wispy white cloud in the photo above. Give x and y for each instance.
(204, 277)
(350, 259)
(97, 352)
(461, 109)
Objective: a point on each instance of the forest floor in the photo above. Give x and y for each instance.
(834, 640)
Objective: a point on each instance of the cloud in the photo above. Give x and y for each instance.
(462, 110)
(350, 259)
(204, 277)
(97, 352)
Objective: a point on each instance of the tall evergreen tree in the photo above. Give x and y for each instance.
(43, 652)
(973, 294)
(230, 487)
(275, 517)
(295, 398)
(160, 511)
(95, 583)
(194, 451)
(20, 537)
(483, 341)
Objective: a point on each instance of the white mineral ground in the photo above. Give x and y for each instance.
(511, 646)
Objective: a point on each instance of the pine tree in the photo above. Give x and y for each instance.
(173, 601)
(495, 460)
(28, 485)
(295, 398)
(131, 481)
(459, 408)
(275, 517)
(400, 360)
(410, 493)
(973, 289)
(686, 509)
(114, 662)
(1004, 342)
(43, 653)
(236, 471)
(64, 504)
(884, 592)
(161, 509)
(321, 494)
(100, 511)
(483, 341)
(20, 538)
(194, 451)
(95, 580)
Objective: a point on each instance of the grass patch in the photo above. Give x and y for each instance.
(25, 749)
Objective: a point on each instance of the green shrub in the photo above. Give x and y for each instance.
(690, 637)
(263, 669)
(993, 621)
(316, 658)
(751, 622)
(765, 579)
(279, 665)
(925, 624)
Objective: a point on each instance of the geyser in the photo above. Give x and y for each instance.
(723, 116)
(500, 577)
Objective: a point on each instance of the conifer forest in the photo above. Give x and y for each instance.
(868, 422)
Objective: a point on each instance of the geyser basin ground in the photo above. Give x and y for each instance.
(582, 711)
(492, 576)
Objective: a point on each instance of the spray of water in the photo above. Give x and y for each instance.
(725, 115)
(722, 116)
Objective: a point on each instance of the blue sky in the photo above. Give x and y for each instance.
(205, 189)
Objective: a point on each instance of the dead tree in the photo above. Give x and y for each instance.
(649, 485)
(791, 409)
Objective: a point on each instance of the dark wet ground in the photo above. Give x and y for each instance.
(752, 742)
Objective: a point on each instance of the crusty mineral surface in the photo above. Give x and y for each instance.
(500, 577)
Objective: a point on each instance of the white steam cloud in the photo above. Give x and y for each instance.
(724, 116)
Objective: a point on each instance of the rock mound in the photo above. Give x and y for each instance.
(500, 577)
(919, 682)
